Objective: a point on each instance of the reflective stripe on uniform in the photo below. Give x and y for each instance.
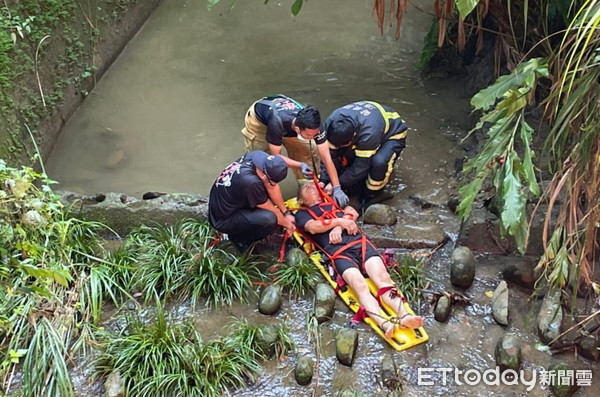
(387, 116)
(378, 185)
(401, 135)
(366, 153)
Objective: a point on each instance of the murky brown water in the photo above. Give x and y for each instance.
(167, 117)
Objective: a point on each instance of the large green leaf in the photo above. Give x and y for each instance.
(525, 72)
(514, 100)
(528, 154)
(513, 209)
(468, 193)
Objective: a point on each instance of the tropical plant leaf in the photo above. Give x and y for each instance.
(524, 73)
(528, 154)
(513, 213)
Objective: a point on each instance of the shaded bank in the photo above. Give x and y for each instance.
(52, 54)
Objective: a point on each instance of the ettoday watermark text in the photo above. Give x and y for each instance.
(509, 377)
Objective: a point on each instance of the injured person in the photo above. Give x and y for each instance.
(352, 256)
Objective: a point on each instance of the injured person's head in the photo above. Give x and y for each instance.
(308, 194)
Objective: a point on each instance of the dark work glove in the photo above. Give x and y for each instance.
(340, 197)
(307, 172)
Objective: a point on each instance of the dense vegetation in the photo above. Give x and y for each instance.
(546, 56)
(56, 277)
(550, 49)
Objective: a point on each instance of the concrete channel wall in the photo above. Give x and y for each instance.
(71, 59)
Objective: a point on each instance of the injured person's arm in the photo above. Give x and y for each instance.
(315, 226)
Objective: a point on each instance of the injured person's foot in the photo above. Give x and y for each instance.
(388, 329)
(410, 321)
(406, 321)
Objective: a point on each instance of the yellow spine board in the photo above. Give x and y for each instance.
(402, 339)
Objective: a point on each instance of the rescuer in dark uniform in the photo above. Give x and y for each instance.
(245, 201)
(365, 140)
(279, 120)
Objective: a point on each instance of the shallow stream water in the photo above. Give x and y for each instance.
(167, 117)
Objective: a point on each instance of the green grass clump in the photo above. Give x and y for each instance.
(184, 261)
(299, 277)
(408, 276)
(162, 358)
(248, 337)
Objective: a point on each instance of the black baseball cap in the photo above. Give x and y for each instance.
(274, 167)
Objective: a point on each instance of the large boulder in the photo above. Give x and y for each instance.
(270, 300)
(589, 347)
(508, 353)
(559, 387)
(123, 213)
(295, 257)
(550, 317)
(346, 342)
(304, 370)
(267, 339)
(380, 214)
(113, 387)
(500, 303)
(442, 310)
(324, 302)
(462, 267)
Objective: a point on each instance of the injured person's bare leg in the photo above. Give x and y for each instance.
(380, 276)
(357, 282)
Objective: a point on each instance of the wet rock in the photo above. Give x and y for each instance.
(508, 353)
(443, 308)
(589, 347)
(389, 374)
(481, 233)
(114, 385)
(123, 216)
(270, 299)
(295, 257)
(380, 214)
(152, 195)
(500, 303)
(266, 340)
(304, 370)
(34, 219)
(521, 273)
(453, 202)
(550, 317)
(462, 268)
(560, 389)
(424, 202)
(324, 302)
(419, 234)
(419, 228)
(346, 343)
